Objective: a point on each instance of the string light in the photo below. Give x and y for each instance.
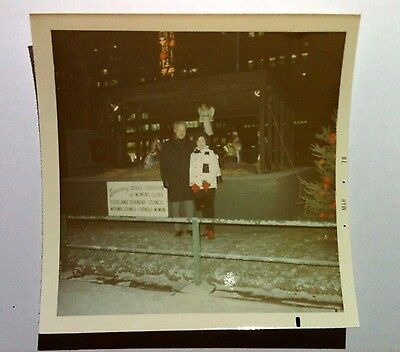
(167, 42)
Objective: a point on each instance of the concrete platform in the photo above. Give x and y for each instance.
(265, 196)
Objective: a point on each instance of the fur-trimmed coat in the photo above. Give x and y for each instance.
(204, 166)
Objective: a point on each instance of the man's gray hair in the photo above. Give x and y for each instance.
(179, 123)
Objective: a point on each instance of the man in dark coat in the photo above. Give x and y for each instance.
(174, 167)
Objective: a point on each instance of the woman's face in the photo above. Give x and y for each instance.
(201, 142)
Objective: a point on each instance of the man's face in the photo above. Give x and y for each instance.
(180, 131)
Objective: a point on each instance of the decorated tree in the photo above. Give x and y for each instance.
(319, 196)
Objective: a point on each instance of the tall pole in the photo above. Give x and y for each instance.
(270, 136)
(261, 128)
(237, 51)
(196, 252)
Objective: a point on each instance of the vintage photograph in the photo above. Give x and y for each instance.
(190, 170)
(226, 125)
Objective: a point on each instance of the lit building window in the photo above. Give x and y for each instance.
(105, 71)
(250, 64)
(304, 54)
(304, 74)
(192, 124)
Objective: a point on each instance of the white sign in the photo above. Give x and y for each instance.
(137, 198)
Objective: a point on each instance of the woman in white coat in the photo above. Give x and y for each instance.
(204, 176)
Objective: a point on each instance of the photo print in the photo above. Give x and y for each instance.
(194, 171)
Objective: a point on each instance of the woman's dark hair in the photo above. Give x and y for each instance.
(201, 134)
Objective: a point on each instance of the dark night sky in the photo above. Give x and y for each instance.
(137, 53)
(311, 83)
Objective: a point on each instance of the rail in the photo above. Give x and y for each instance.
(196, 249)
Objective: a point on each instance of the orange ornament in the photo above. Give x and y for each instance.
(322, 215)
(163, 55)
(326, 185)
(333, 205)
(332, 138)
(321, 161)
(326, 179)
(172, 43)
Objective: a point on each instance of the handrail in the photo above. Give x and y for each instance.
(292, 223)
(196, 252)
(212, 255)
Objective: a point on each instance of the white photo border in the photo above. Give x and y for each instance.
(42, 25)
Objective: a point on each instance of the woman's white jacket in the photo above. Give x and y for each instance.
(204, 166)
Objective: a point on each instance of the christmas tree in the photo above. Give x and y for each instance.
(319, 196)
